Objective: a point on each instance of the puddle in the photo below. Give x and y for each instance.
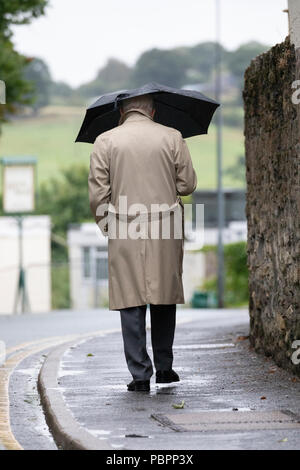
(64, 373)
(114, 387)
(197, 379)
(205, 346)
(42, 429)
(2, 352)
(214, 399)
(29, 403)
(100, 433)
(215, 410)
(31, 372)
(68, 353)
(60, 389)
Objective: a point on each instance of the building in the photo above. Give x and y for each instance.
(88, 262)
(88, 255)
(234, 206)
(36, 253)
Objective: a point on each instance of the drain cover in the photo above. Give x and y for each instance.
(229, 420)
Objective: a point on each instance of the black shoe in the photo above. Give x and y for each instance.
(139, 386)
(166, 376)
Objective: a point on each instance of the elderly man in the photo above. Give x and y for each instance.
(146, 165)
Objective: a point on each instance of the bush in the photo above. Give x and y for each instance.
(60, 285)
(236, 274)
(233, 116)
(66, 200)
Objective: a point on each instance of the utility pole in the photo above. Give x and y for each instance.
(218, 93)
(21, 288)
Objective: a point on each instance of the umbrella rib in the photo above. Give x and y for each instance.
(178, 109)
(162, 102)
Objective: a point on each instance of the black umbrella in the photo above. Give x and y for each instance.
(188, 111)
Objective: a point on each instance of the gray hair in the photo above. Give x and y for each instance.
(143, 102)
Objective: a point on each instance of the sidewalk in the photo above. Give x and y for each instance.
(233, 398)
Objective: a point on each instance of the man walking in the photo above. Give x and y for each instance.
(143, 165)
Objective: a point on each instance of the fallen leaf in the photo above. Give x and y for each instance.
(242, 338)
(283, 440)
(178, 406)
(294, 379)
(90, 355)
(263, 398)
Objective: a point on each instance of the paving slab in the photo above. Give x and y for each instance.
(234, 420)
(248, 402)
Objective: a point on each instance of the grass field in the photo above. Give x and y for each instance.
(50, 137)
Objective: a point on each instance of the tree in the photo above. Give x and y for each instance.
(239, 60)
(18, 90)
(113, 76)
(163, 66)
(14, 12)
(202, 61)
(61, 89)
(12, 64)
(37, 72)
(66, 198)
(238, 170)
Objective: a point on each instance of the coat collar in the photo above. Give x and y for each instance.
(134, 114)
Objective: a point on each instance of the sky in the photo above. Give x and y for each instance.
(76, 37)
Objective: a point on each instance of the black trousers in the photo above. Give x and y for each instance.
(133, 321)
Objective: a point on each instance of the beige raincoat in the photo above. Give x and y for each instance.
(149, 164)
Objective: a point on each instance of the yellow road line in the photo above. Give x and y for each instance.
(21, 351)
(67, 338)
(17, 354)
(6, 436)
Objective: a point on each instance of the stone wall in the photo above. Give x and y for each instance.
(272, 139)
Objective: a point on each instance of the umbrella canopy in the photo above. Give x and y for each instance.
(188, 111)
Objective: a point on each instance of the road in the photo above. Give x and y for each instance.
(219, 374)
(229, 377)
(17, 329)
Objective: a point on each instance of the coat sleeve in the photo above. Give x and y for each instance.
(99, 183)
(186, 179)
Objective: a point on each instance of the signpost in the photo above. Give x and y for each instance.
(19, 178)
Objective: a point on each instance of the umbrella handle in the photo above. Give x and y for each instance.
(117, 99)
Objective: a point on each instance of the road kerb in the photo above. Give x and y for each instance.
(66, 431)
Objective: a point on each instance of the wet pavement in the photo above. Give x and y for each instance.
(24, 333)
(232, 398)
(26, 414)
